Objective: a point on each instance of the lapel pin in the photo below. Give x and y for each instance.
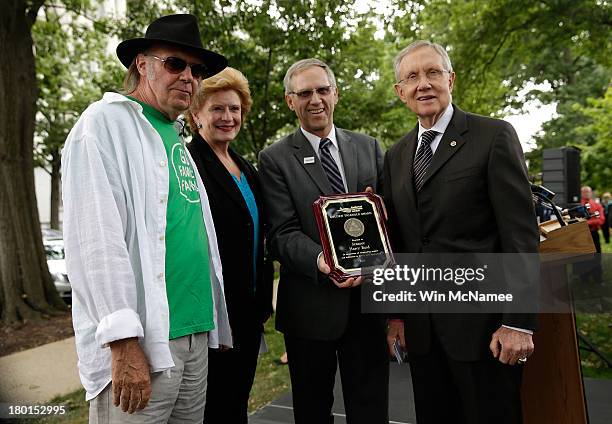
(309, 159)
(453, 143)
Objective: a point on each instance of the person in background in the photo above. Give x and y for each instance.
(216, 116)
(592, 269)
(141, 248)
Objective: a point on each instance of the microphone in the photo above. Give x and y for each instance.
(581, 211)
(542, 192)
(544, 196)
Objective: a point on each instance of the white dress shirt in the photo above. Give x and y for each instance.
(314, 141)
(439, 127)
(115, 192)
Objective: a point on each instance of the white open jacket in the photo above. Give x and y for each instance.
(115, 191)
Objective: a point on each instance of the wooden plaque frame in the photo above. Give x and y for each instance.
(329, 241)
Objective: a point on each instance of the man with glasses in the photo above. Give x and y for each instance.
(458, 183)
(140, 244)
(321, 317)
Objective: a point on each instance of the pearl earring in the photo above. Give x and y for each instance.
(198, 125)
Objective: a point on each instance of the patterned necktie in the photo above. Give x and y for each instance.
(423, 158)
(330, 166)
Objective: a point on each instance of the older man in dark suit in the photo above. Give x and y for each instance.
(458, 183)
(320, 317)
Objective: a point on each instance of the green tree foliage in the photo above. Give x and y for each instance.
(262, 39)
(498, 47)
(558, 50)
(139, 14)
(597, 127)
(73, 68)
(588, 81)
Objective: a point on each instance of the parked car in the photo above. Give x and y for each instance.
(54, 249)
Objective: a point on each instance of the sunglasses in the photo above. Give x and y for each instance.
(176, 65)
(307, 94)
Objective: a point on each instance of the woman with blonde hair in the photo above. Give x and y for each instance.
(215, 117)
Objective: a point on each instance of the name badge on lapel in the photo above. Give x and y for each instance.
(309, 159)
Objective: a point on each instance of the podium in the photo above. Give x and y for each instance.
(552, 390)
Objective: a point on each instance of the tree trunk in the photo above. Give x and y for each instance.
(27, 290)
(55, 188)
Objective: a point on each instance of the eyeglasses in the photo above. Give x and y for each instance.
(176, 65)
(433, 75)
(307, 94)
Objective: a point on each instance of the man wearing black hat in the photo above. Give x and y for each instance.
(141, 248)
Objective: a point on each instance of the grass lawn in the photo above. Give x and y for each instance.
(270, 381)
(597, 327)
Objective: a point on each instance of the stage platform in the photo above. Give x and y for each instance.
(401, 404)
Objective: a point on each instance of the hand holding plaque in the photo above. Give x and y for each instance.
(342, 284)
(353, 234)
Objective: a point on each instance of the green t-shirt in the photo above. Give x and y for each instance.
(187, 263)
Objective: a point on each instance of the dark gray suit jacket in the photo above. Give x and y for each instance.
(475, 198)
(309, 305)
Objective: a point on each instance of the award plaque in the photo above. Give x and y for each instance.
(353, 234)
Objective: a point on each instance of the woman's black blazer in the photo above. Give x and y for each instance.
(248, 306)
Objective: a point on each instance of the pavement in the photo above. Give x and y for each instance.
(598, 393)
(401, 402)
(38, 375)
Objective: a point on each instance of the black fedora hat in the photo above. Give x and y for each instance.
(178, 30)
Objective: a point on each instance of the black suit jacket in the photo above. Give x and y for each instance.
(247, 308)
(475, 198)
(309, 305)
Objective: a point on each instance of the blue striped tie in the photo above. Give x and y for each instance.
(330, 166)
(423, 158)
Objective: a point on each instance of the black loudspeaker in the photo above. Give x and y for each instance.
(561, 174)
